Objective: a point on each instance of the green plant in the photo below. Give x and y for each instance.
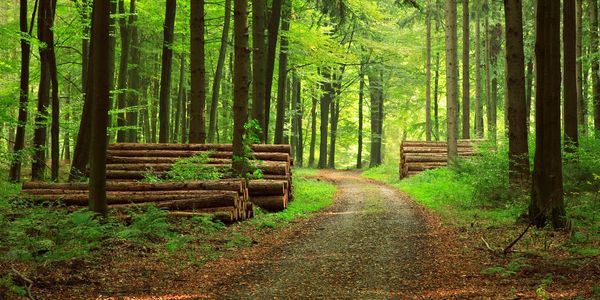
(238, 240)
(9, 289)
(186, 169)
(148, 226)
(249, 163)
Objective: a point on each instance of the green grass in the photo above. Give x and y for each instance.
(310, 195)
(447, 194)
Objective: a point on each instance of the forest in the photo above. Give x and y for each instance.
(317, 149)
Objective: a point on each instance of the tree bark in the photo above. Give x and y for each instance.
(518, 152)
(325, 103)
(313, 133)
(428, 129)
(198, 71)
(595, 63)
(55, 126)
(376, 91)
(466, 89)
(100, 106)
(570, 74)
(478, 87)
(361, 95)
(451, 78)
(283, 57)
(436, 119)
(122, 93)
(259, 64)
(165, 75)
(240, 81)
(39, 139)
(488, 81)
(547, 194)
(133, 75)
(274, 21)
(15, 168)
(579, 66)
(212, 127)
(180, 99)
(297, 120)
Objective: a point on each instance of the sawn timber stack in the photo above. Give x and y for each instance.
(131, 162)
(419, 156)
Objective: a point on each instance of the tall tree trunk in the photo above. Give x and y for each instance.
(39, 138)
(274, 21)
(595, 63)
(570, 74)
(198, 71)
(152, 107)
(436, 85)
(451, 78)
(15, 168)
(335, 110)
(313, 132)
(112, 42)
(165, 75)
(85, 45)
(428, 129)
(212, 127)
(488, 80)
(55, 127)
(100, 106)
(518, 151)
(478, 87)
(280, 118)
(297, 120)
(124, 26)
(529, 91)
(180, 99)
(466, 89)
(547, 195)
(361, 95)
(376, 92)
(495, 45)
(259, 64)
(134, 76)
(325, 103)
(579, 67)
(240, 82)
(67, 135)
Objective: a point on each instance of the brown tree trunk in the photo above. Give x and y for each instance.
(436, 85)
(428, 129)
(134, 76)
(39, 139)
(198, 71)
(325, 103)
(547, 195)
(165, 75)
(376, 91)
(180, 99)
(579, 66)
(259, 64)
(570, 74)
(212, 127)
(55, 127)
(361, 95)
(451, 78)
(313, 133)
(281, 103)
(488, 80)
(124, 26)
(595, 63)
(274, 21)
(240, 81)
(297, 120)
(100, 106)
(15, 168)
(466, 88)
(478, 87)
(518, 152)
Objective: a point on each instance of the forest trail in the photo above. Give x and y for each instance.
(372, 243)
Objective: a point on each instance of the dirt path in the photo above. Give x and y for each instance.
(373, 243)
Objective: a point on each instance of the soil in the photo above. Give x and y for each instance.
(373, 243)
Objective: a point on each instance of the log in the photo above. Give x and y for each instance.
(220, 185)
(212, 198)
(199, 147)
(117, 157)
(223, 216)
(435, 150)
(267, 187)
(270, 203)
(424, 166)
(461, 143)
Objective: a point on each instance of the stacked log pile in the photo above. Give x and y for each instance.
(128, 161)
(225, 200)
(419, 156)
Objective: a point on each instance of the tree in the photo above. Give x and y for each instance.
(259, 64)
(518, 152)
(198, 73)
(326, 99)
(15, 168)
(570, 73)
(125, 28)
(451, 78)
(547, 194)
(361, 95)
(212, 127)
(478, 87)
(297, 112)
(165, 76)
(134, 79)
(595, 64)
(375, 76)
(466, 90)
(281, 89)
(581, 103)
(240, 81)
(274, 21)
(100, 106)
(428, 130)
(313, 133)
(52, 68)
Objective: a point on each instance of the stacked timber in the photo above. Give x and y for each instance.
(419, 156)
(131, 162)
(225, 200)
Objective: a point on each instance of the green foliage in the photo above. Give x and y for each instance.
(148, 226)
(9, 287)
(249, 163)
(186, 169)
(511, 269)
